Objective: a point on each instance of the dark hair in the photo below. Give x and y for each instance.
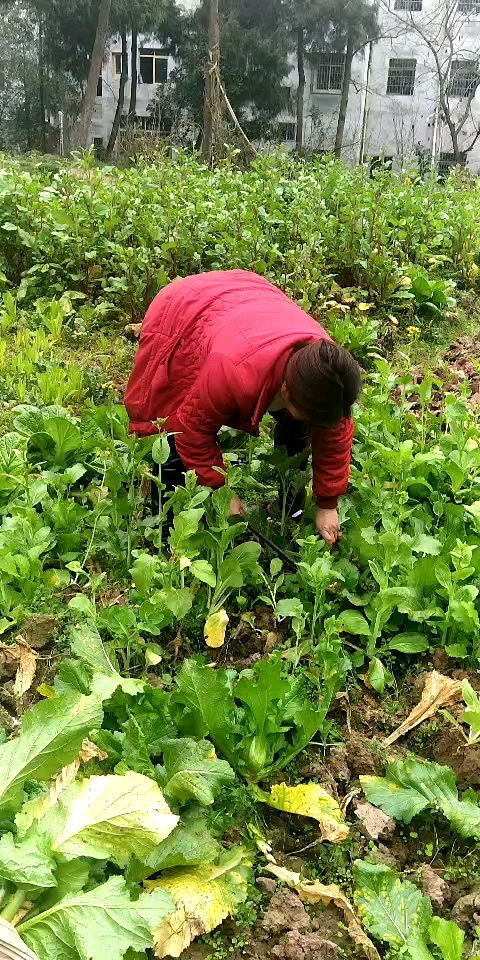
(323, 381)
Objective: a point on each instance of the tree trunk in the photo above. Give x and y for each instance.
(301, 88)
(212, 103)
(41, 86)
(132, 110)
(82, 127)
(347, 78)
(121, 99)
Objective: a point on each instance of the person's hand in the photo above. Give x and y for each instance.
(237, 508)
(328, 525)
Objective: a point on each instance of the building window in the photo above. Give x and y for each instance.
(330, 71)
(100, 87)
(288, 132)
(471, 7)
(117, 65)
(447, 163)
(411, 5)
(401, 77)
(464, 78)
(153, 66)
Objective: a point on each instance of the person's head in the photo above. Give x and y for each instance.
(321, 383)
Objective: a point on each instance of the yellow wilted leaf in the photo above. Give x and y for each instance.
(37, 808)
(404, 282)
(310, 800)
(365, 306)
(215, 628)
(312, 891)
(204, 896)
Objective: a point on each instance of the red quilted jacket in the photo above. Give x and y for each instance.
(212, 353)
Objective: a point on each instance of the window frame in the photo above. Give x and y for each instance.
(118, 73)
(330, 67)
(473, 8)
(99, 87)
(157, 55)
(408, 6)
(391, 76)
(285, 124)
(472, 77)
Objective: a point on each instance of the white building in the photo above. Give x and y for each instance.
(394, 102)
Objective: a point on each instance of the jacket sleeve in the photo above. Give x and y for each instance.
(210, 404)
(332, 451)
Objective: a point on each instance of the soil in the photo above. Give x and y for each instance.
(427, 852)
(460, 367)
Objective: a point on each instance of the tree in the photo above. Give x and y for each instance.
(454, 61)
(340, 25)
(254, 64)
(82, 130)
(354, 24)
(121, 97)
(212, 110)
(159, 18)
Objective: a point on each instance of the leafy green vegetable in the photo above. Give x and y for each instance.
(28, 864)
(393, 910)
(274, 723)
(411, 786)
(189, 844)
(396, 912)
(108, 817)
(192, 771)
(472, 714)
(87, 645)
(103, 922)
(51, 737)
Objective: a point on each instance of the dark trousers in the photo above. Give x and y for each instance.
(290, 434)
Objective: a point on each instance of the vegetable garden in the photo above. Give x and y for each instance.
(200, 753)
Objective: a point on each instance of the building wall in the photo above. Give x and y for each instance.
(395, 125)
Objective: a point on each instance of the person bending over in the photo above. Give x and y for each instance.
(222, 349)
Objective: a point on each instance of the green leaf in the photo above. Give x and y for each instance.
(408, 643)
(190, 844)
(376, 675)
(203, 571)
(88, 647)
(71, 877)
(27, 864)
(161, 449)
(51, 737)
(192, 771)
(209, 707)
(392, 910)
(472, 714)
(411, 786)
(108, 817)
(448, 937)
(101, 923)
(351, 621)
(275, 567)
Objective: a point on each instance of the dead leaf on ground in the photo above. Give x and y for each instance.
(437, 692)
(310, 800)
(312, 891)
(27, 666)
(20, 660)
(12, 946)
(374, 823)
